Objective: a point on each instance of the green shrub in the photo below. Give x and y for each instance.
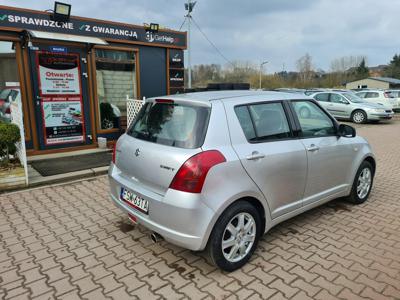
(9, 135)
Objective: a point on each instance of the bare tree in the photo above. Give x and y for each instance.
(346, 63)
(305, 68)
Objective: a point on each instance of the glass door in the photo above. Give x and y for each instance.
(59, 75)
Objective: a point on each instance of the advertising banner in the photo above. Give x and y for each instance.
(17, 18)
(176, 59)
(60, 91)
(176, 71)
(59, 74)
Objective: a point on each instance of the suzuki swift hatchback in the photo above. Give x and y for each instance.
(216, 170)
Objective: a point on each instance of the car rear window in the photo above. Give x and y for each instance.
(171, 124)
(263, 122)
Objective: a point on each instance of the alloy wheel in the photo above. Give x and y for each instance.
(238, 237)
(364, 183)
(358, 117)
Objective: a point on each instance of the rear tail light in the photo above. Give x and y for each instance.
(114, 152)
(8, 110)
(192, 174)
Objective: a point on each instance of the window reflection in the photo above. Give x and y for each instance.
(116, 80)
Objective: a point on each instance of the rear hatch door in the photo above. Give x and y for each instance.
(163, 136)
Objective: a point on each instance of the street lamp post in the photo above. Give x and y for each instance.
(261, 65)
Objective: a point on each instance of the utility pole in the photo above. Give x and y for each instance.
(261, 65)
(189, 7)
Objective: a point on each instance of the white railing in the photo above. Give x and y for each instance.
(132, 108)
(16, 118)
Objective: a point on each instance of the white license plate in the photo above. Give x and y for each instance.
(134, 200)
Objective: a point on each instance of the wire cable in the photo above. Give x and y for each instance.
(211, 43)
(183, 23)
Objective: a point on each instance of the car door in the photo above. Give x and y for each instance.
(323, 100)
(276, 161)
(329, 157)
(339, 105)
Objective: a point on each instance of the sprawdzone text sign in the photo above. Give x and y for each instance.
(42, 22)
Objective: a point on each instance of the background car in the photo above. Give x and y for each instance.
(348, 106)
(7, 96)
(396, 95)
(379, 97)
(217, 170)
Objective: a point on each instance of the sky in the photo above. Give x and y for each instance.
(277, 31)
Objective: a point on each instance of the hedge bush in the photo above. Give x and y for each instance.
(9, 135)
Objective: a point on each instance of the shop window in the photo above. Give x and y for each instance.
(116, 81)
(9, 80)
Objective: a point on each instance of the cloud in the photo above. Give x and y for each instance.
(279, 31)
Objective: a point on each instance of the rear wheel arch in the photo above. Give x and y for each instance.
(254, 202)
(260, 208)
(372, 161)
(235, 239)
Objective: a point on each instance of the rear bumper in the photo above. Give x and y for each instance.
(180, 218)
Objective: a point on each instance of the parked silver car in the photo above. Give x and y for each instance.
(348, 106)
(216, 170)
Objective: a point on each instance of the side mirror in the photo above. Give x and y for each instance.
(346, 131)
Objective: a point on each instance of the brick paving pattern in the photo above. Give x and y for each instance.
(70, 242)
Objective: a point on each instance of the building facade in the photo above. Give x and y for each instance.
(374, 83)
(74, 78)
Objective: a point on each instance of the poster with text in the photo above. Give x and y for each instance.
(63, 121)
(59, 74)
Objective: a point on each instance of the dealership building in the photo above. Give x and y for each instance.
(75, 76)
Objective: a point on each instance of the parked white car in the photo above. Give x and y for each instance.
(7, 96)
(396, 95)
(380, 97)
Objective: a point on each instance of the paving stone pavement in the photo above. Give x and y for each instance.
(70, 242)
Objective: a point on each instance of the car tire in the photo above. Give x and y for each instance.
(231, 257)
(359, 195)
(305, 112)
(359, 117)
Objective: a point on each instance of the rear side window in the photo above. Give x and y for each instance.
(245, 121)
(324, 97)
(361, 95)
(171, 124)
(263, 122)
(372, 95)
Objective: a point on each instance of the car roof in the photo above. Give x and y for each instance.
(234, 94)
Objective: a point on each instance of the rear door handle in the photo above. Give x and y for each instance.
(255, 155)
(312, 148)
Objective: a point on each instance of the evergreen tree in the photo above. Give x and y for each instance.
(362, 70)
(393, 69)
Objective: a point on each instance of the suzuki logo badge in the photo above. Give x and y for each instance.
(137, 152)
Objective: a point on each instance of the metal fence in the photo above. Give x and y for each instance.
(132, 108)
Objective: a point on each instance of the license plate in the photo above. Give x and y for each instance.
(134, 200)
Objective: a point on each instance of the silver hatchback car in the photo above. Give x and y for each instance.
(216, 170)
